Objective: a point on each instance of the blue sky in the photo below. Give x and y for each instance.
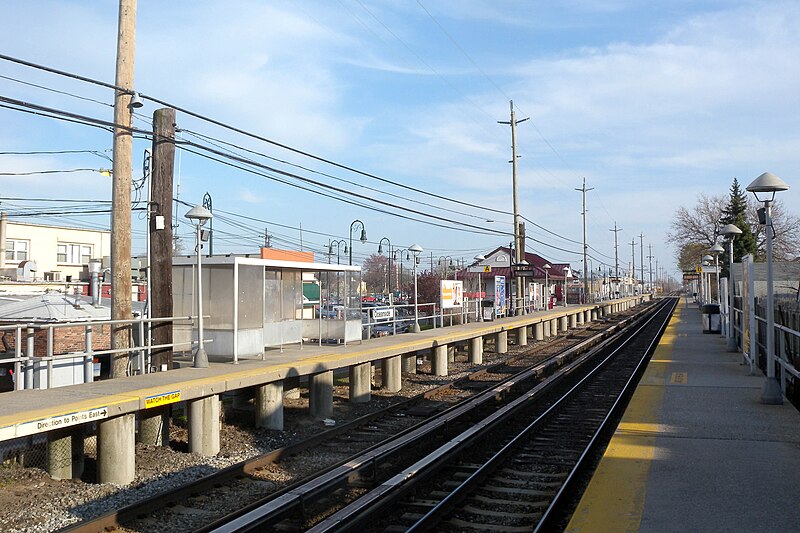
(653, 103)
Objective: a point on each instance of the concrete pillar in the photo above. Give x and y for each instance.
(154, 426)
(204, 425)
(242, 397)
(587, 316)
(554, 327)
(116, 450)
(392, 373)
(476, 350)
(573, 321)
(501, 342)
(579, 317)
(522, 336)
(291, 388)
(546, 329)
(361, 383)
(410, 363)
(451, 353)
(65, 453)
(268, 405)
(320, 394)
(439, 360)
(562, 323)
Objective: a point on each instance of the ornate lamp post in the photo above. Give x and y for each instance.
(769, 183)
(363, 238)
(416, 249)
(716, 250)
(480, 258)
(389, 255)
(707, 280)
(447, 264)
(338, 244)
(546, 268)
(731, 231)
(198, 216)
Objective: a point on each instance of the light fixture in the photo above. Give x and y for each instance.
(730, 231)
(136, 101)
(199, 215)
(416, 249)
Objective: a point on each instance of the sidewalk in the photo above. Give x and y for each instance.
(696, 449)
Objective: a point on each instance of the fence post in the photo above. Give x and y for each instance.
(141, 357)
(20, 378)
(29, 356)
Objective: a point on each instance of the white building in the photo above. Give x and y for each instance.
(60, 253)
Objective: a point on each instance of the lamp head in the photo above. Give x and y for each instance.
(136, 102)
(363, 238)
(199, 214)
(416, 248)
(380, 248)
(480, 258)
(767, 183)
(707, 258)
(546, 266)
(730, 230)
(716, 249)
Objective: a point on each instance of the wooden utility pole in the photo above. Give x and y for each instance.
(518, 251)
(650, 267)
(585, 245)
(161, 233)
(633, 264)
(121, 189)
(641, 257)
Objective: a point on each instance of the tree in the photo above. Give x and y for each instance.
(736, 213)
(427, 287)
(375, 273)
(690, 255)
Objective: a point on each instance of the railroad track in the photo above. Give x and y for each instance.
(361, 436)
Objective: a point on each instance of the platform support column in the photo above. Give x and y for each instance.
(579, 317)
(291, 388)
(587, 316)
(361, 383)
(546, 329)
(439, 360)
(522, 336)
(268, 405)
(476, 350)
(65, 453)
(451, 353)
(573, 321)
(116, 450)
(391, 370)
(538, 331)
(554, 327)
(204, 425)
(501, 342)
(410, 363)
(562, 323)
(154, 426)
(320, 394)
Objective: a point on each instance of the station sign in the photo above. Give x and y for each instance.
(162, 399)
(480, 268)
(56, 422)
(382, 313)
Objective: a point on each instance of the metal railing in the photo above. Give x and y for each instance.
(26, 363)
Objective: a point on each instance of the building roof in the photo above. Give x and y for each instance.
(56, 307)
(557, 272)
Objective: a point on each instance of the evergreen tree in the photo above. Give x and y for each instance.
(736, 213)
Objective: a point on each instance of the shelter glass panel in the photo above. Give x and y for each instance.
(272, 296)
(217, 296)
(251, 308)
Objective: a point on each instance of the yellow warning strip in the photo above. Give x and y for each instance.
(614, 500)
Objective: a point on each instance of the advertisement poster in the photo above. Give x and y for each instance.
(499, 295)
(452, 292)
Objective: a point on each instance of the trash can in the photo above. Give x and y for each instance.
(487, 310)
(711, 318)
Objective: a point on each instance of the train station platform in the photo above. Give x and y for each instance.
(696, 450)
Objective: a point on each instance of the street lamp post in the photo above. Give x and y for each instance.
(707, 280)
(363, 238)
(546, 268)
(416, 249)
(480, 258)
(448, 262)
(389, 255)
(338, 244)
(199, 215)
(769, 183)
(731, 231)
(716, 250)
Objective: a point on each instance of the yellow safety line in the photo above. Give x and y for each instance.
(80, 405)
(614, 500)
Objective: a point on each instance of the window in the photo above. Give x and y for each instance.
(74, 254)
(16, 250)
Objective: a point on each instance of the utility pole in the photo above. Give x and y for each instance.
(161, 233)
(517, 244)
(267, 238)
(650, 268)
(616, 253)
(641, 257)
(121, 189)
(585, 246)
(633, 264)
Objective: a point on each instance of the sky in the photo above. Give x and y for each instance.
(652, 103)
